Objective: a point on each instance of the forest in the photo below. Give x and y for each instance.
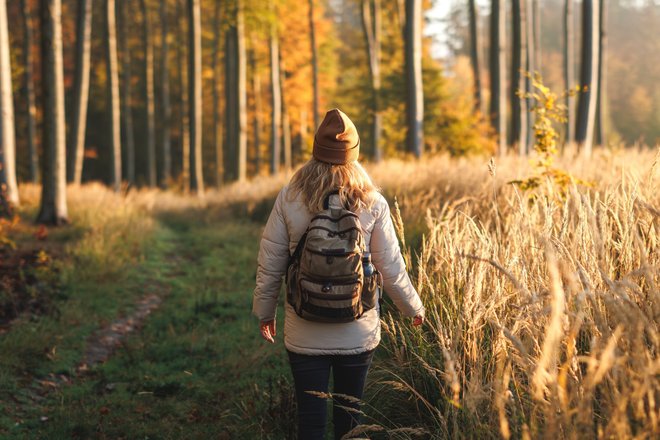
(143, 144)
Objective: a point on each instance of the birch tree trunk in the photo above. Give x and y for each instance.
(569, 69)
(498, 73)
(474, 52)
(28, 42)
(415, 92)
(217, 125)
(113, 93)
(149, 95)
(315, 65)
(518, 81)
(126, 106)
(53, 208)
(166, 173)
(372, 33)
(7, 132)
(81, 89)
(586, 116)
(195, 69)
(276, 99)
(602, 104)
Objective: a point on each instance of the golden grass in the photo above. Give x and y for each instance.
(542, 316)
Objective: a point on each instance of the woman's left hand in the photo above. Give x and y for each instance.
(268, 331)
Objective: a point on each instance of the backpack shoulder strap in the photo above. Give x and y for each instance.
(299, 248)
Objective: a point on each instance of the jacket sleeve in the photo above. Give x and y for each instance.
(386, 257)
(271, 263)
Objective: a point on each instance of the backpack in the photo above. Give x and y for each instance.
(326, 279)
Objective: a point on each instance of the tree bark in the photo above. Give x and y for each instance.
(372, 33)
(256, 89)
(315, 66)
(113, 93)
(498, 73)
(53, 208)
(7, 131)
(538, 50)
(588, 77)
(166, 173)
(569, 69)
(195, 69)
(217, 125)
(29, 92)
(236, 112)
(518, 104)
(149, 95)
(531, 69)
(415, 92)
(474, 52)
(183, 79)
(276, 99)
(126, 106)
(601, 106)
(286, 124)
(81, 89)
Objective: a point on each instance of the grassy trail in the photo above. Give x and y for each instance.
(196, 369)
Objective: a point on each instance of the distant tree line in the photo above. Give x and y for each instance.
(188, 93)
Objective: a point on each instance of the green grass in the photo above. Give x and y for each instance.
(197, 368)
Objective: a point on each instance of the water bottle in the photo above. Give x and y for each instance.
(367, 267)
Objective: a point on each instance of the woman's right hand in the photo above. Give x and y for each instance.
(268, 331)
(418, 320)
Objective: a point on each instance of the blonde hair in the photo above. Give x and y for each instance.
(316, 179)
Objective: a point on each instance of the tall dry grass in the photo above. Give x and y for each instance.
(542, 316)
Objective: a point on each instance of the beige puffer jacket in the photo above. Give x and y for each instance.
(286, 225)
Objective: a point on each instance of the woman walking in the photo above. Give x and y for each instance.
(330, 214)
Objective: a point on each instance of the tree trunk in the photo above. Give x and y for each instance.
(518, 104)
(531, 69)
(53, 208)
(569, 70)
(298, 154)
(276, 99)
(372, 33)
(415, 92)
(538, 50)
(474, 52)
(588, 77)
(195, 69)
(166, 174)
(256, 89)
(149, 95)
(7, 131)
(286, 125)
(315, 65)
(81, 89)
(113, 93)
(183, 79)
(126, 107)
(235, 90)
(498, 73)
(29, 92)
(601, 107)
(217, 125)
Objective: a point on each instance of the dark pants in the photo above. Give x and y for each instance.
(312, 373)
